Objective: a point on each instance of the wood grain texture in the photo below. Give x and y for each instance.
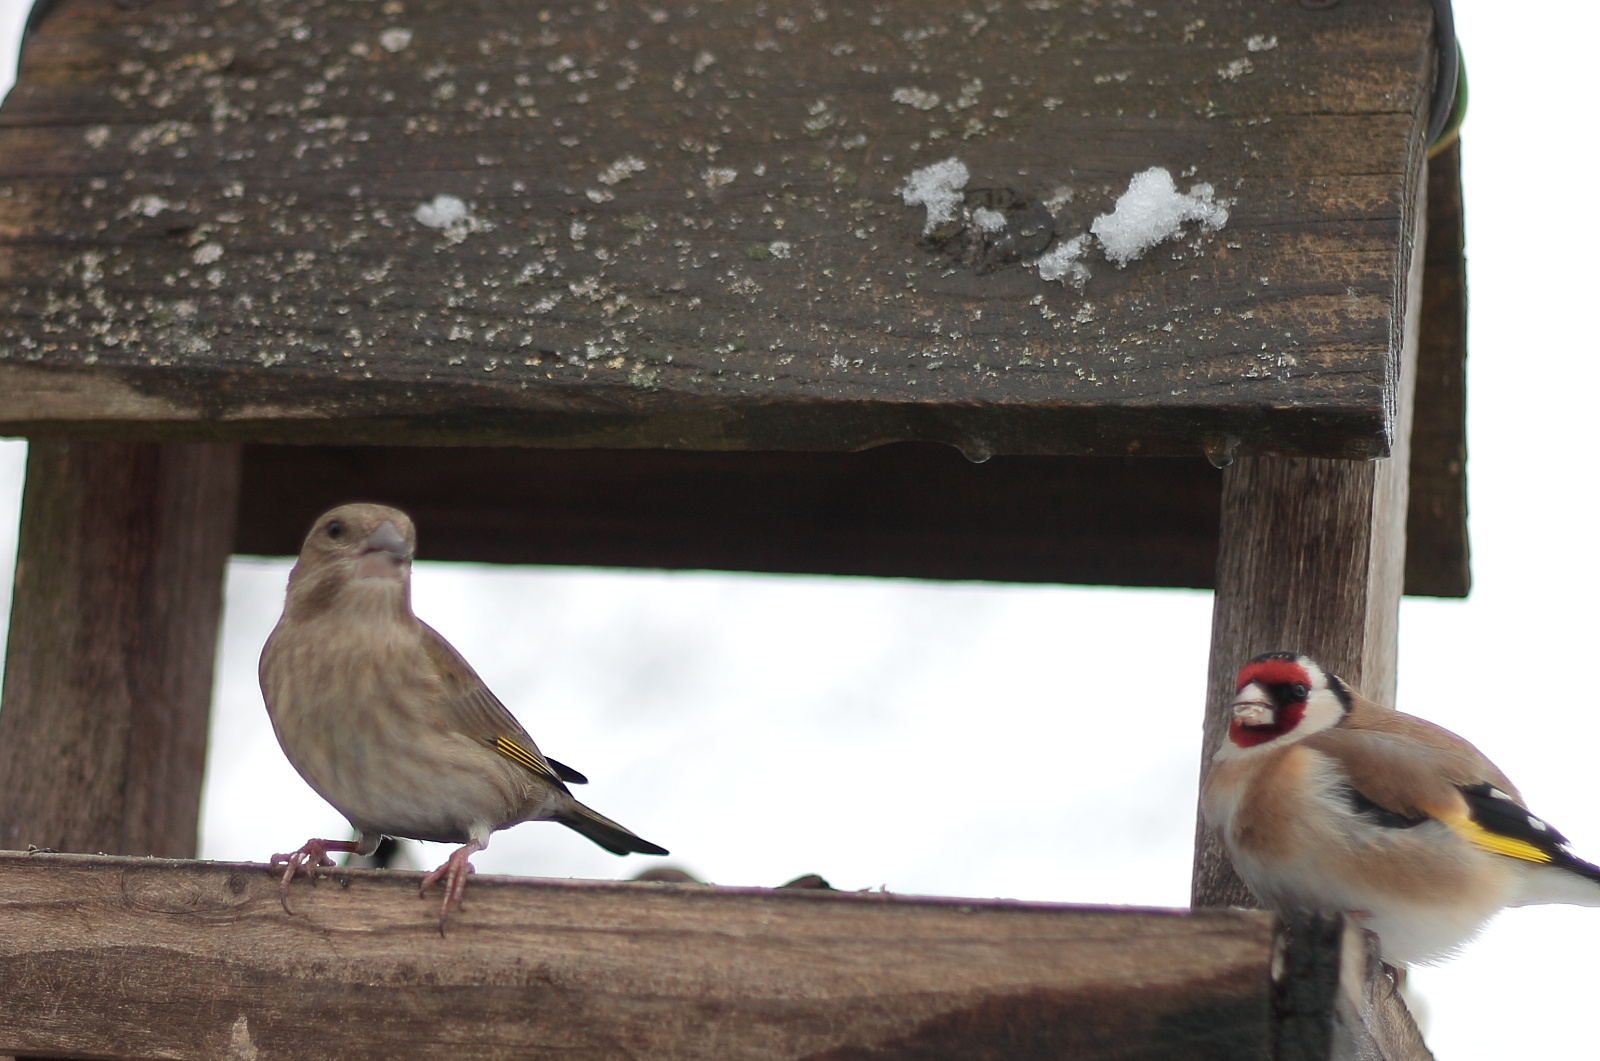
(118, 594)
(1438, 557)
(1311, 559)
(1370, 1007)
(94, 954)
(1333, 999)
(684, 226)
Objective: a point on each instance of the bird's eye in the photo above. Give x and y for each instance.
(335, 529)
(1298, 690)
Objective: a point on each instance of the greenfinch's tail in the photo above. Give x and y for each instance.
(605, 832)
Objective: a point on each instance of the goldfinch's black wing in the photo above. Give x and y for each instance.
(470, 708)
(1509, 829)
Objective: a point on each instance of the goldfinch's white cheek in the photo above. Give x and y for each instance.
(1323, 711)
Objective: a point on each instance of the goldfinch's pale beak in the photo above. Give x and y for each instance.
(1252, 707)
(384, 554)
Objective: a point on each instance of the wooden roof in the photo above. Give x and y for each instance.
(682, 227)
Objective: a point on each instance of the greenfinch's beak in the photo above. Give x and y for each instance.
(384, 553)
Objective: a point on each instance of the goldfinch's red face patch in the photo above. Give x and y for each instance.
(1272, 692)
(1273, 670)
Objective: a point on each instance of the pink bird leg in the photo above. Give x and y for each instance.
(454, 874)
(312, 855)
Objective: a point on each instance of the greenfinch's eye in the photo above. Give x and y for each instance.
(335, 529)
(1298, 690)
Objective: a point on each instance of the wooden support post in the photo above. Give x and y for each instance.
(120, 563)
(1311, 558)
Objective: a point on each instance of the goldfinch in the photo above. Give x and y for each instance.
(386, 721)
(1328, 803)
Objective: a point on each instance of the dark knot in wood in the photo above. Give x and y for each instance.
(995, 227)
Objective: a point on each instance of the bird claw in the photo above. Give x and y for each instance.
(311, 856)
(454, 874)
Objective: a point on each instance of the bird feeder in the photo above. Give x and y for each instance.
(1163, 294)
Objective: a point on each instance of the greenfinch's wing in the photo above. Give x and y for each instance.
(470, 708)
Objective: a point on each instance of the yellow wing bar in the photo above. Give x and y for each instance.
(1500, 845)
(523, 757)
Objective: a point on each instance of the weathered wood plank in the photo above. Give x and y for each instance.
(1370, 1005)
(914, 510)
(1311, 559)
(125, 958)
(209, 224)
(1437, 554)
(1333, 999)
(911, 510)
(120, 562)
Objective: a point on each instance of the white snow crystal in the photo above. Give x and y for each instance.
(1153, 210)
(395, 40)
(622, 169)
(1064, 261)
(1261, 43)
(937, 187)
(444, 211)
(780, 248)
(207, 253)
(1058, 199)
(917, 98)
(1235, 70)
(989, 220)
(719, 176)
(148, 205)
(451, 216)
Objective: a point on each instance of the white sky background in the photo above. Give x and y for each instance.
(1040, 742)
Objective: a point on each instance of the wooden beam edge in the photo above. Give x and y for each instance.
(93, 951)
(404, 883)
(1371, 1012)
(1334, 999)
(40, 401)
(1329, 994)
(1438, 561)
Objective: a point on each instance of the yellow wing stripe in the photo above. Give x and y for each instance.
(522, 756)
(1500, 845)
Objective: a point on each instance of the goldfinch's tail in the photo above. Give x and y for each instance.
(605, 832)
(1563, 880)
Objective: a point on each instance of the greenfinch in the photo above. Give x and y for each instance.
(387, 722)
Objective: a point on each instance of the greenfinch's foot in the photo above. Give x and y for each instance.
(454, 874)
(312, 855)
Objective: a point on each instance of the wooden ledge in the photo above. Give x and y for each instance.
(136, 958)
